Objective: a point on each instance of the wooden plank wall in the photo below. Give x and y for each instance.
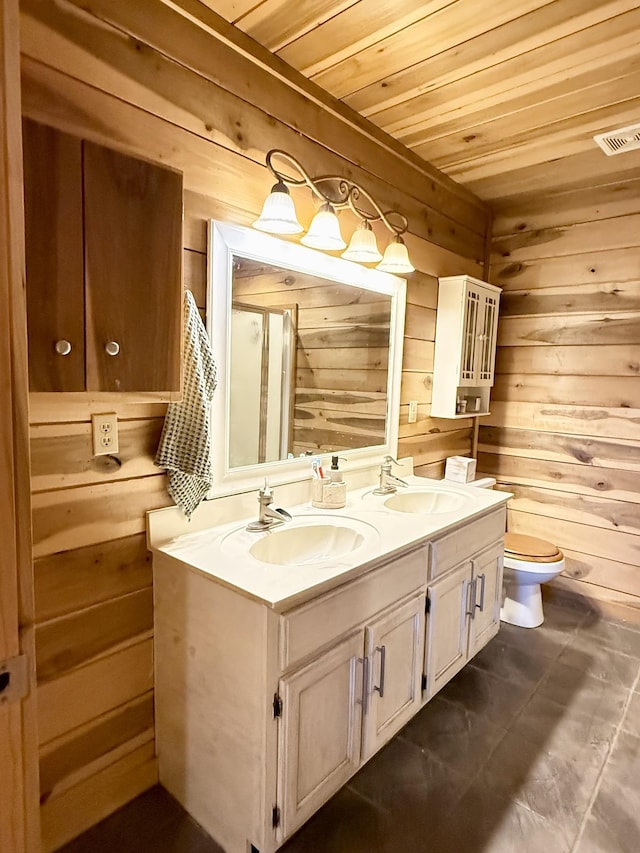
(564, 433)
(143, 79)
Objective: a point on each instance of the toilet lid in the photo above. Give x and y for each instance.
(531, 549)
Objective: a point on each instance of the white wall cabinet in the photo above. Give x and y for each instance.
(466, 334)
(262, 715)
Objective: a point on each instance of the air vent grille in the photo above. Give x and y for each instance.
(619, 141)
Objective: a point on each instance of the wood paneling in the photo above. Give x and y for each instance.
(564, 432)
(79, 696)
(66, 758)
(69, 642)
(79, 807)
(503, 97)
(62, 454)
(71, 581)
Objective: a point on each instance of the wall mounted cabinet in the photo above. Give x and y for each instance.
(104, 268)
(465, 351)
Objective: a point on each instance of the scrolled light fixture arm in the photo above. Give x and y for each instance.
(333, 192)
(345, 193)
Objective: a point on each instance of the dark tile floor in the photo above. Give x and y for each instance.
(534, 747)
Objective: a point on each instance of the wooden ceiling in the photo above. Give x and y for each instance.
(504, 96)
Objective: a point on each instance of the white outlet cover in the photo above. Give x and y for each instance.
(104, 430)
(413, 411)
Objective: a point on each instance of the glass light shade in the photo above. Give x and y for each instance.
(396, 258)
(363, 247)
(324, 231)
(278, 213)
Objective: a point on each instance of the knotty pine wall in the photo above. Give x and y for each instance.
(141, 78)
(564, 433)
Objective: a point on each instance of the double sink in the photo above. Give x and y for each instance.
(311, 538)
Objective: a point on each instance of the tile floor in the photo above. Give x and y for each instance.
(533, 748)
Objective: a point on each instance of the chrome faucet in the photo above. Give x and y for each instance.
(268, 517)
(388, 482)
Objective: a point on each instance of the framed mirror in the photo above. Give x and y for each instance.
(309, 355)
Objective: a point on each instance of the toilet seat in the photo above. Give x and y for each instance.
(529, 549)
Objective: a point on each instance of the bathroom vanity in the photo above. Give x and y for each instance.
(278, 676)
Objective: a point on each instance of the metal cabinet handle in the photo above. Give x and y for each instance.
(471, 599)
(63, 347)
(112, 348)
(365, 683)
(383, 660)
(482, 585)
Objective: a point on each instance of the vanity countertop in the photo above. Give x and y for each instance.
(222, 552)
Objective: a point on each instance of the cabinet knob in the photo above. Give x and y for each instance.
(112, 348)
(63, 347)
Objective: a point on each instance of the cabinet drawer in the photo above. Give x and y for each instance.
(310, 627)
(469, 539)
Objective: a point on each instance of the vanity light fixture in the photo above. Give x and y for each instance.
(334, 193)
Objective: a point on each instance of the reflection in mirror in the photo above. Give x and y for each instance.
(333, 364)
(309, 355)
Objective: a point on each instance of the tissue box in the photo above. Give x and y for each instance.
(460, 469)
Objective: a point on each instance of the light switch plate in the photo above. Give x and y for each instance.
(105, 433)
(413, 411)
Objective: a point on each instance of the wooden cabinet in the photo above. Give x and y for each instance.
(464, 614)
(319, 737)
(344, 706)
(466, 334)
(394, 650)
(103, 265)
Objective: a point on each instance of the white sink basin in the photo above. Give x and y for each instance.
(303, 541)
(427, 501)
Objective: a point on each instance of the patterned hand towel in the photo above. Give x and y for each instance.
(185, 444)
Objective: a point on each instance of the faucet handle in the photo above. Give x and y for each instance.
(389, 459)
(265, 491)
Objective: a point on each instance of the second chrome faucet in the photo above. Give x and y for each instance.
(388, 482)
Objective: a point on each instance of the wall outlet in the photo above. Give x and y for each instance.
(413, 411)
(105, 433)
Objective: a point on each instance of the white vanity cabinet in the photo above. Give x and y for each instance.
(265, 708)
(464, 598)
(466, 334)
(262, 716)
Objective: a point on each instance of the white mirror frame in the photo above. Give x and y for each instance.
(228, 240)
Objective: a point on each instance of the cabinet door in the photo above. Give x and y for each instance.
(319, 736)
(471, 310)
(133, 263)
(486, 336)
(487, 588)
(54, 258)
(447, 627)
(394, 649)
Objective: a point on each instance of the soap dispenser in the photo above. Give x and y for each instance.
(336, 491)
(335, 474)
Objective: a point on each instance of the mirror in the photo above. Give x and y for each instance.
(309, 355)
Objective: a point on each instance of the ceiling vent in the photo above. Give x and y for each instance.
(619, 141)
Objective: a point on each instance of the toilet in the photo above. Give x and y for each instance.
(528, 563)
